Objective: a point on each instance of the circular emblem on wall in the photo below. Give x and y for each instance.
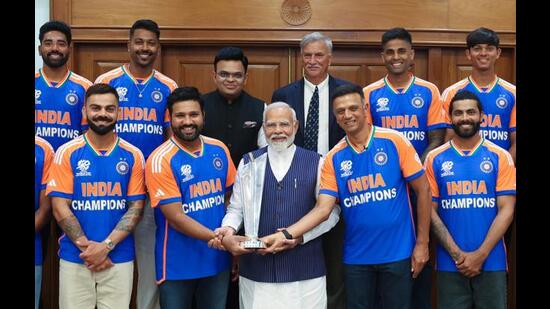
(380, 158)
(218, 163)
(486, 166)
(502, 102)
(417, 102)
(122, 167)
(296, 12)
(71, 99)
(156, 96)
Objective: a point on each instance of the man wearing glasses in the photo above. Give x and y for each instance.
(232, 115)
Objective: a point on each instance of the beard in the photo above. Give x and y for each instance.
(466, 133)
(103, 129)
(282, 145)
(55, 63)
(187, 137)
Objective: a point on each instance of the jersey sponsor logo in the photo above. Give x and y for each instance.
(37, 94)
(400, 121)
(52, 117)
(486, 166)
(417, 101)
(122, 91)
(446, 168)
(205, 187)
(382, 105)
(159, 193)
(364, 183)
(380, 158)
(82, 167)
(71, 98)
(466, 187)
(345, 167)
(218, 163)
(137, 113)
(101, 188)
(52, 183)
(501, 102)
(122, 167)
(157, 96)
(185, 170)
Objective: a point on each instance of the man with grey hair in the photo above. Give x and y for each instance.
(287, 178)
(310, 97)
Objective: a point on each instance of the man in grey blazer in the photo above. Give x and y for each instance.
(318, 131)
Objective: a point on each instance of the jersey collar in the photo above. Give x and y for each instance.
(392, 88)
(49, 83)
(461, 153)
(369, 142)
(96, 151)
(192, 154)
(126, 69)
(478, 88)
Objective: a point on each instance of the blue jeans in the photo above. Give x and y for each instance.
(392, 280)
(484, 291)
(209, 292)
(37, 284)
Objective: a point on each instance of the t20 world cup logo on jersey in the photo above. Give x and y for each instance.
(186, 171)
(37, 94)
(382, 105)
(122, 91)
(82, 166)
(446, 168)
(345, 167)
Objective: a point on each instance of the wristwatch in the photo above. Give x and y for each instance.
(110, 244)
(287, 234)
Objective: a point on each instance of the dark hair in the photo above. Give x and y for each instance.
(55, 25)
(146, 24)
(465, 95)
(396, 33)
(184, 94)
(231, 53)
(346, 89)
(482, 36)
(101, 89)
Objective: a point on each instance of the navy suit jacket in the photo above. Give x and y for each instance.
(293, 95)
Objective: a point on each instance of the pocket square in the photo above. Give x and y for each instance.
(249, 124)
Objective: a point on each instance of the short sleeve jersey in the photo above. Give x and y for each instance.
(43, 156)
(372, 192)
(99, 184)
(198, 182)
(58, 116)
(499, 108)
(413, 111)
(143, 115)
(466, 187)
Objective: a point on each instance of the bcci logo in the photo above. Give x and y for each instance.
(380, 158)
(382, 105)
(446, 168)
(486, 166)
(156, 96)
(82, 167)
(37, 94)
(186, 172)
(502, 102)
(122, 167)
(345, 167)
(71, 98)
(122, 91)
(417, 101)
(218, 163)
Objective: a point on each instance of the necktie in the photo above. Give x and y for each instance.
(312, 122)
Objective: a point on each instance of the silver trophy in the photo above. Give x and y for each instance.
(251, 209)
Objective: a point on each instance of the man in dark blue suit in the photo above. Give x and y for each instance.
(318, 131)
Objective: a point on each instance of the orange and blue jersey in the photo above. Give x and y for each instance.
(499, 108)
(43, 155)
(465, 186)
(143, 115)
(99, 183)
(58, 115)
(371, 186)
(198, 182)
(413, 110)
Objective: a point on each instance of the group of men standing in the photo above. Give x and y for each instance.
(345, 181)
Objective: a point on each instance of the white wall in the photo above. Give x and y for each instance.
(41, 15)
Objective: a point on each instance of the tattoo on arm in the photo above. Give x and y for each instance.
(442, 235)
(130, 219)
(71, 227)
